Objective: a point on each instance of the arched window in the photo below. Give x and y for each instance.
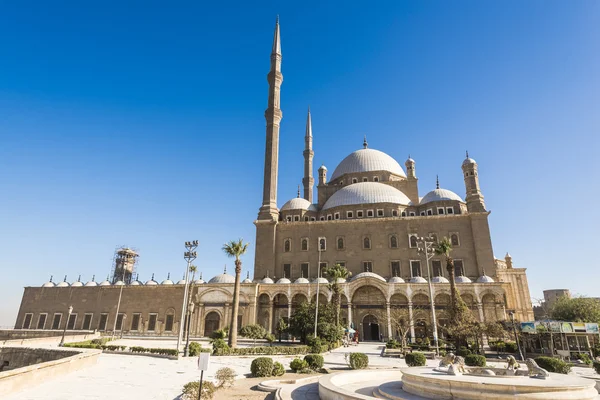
(354, 180)
(413, 241)
(393, 242)
(322, 244)
(454, 240)
(340, 243)
(287, 245)
(366, 243)
(304, 244)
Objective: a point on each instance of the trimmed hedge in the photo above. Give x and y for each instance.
(463, 351)
(358, 361)
(415, 359)
(261, 367)
(298, 365)
(475, 360)
(263, 350)
(393, 344)
(165, 352)
(596, 366)
(278, 369)
(551, 364)
(190, 390)
(314, 361)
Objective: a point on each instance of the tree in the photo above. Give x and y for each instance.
(576, 309)
(336, 272)
(235, 249)
(302, 322)
(400, 320)
(254, 331)
(281, 327)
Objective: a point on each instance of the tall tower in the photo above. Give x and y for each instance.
(124, 265)
(474, 197)
(410, 168)
(308, 181)
(273, 115)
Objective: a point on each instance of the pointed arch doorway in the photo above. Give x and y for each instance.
(370, 328)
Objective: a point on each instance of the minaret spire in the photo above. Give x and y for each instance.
(437, 182)
(273, 115)
(365, 144)
(308, 181)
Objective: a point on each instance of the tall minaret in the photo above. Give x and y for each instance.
(308, 181)
(273, 115)
(474, 197)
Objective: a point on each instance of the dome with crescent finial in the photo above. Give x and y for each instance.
(367, 160)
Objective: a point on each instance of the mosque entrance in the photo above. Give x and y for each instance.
(211, 323)
(370, 328)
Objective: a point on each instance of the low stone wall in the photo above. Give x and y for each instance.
(9, 334)
(19, 357)
(63, 362)
(51, 338)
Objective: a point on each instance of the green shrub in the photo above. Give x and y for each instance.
(315, 344)
(225, 377)
(101, 341)
(475, 360)
(463, 351)
(415, 359)
(267, 351)
(596, 350)
(551, 364)
(298, 365)
(511, 347)
(219, 344)
(393, 344)
(270, 338)
(190, 390)
(584, 357)
(358, 361)
(278, 369)
(314, 361)
(194, 349)
(219, 334)
(261, 367)
(596, 366)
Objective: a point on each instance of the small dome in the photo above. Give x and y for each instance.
(199, 281)
(340, 280)
(63, 284)
(396, 279)
(368, 275)
(167, 281)
(409, 161)
(181, 282)
(151, 282)
(439, 279)
(440, 195)
(322, 168)
(366, 193)
(49, 283)
(418, 279)
(299, 203)
(462, 279)
(366, 160)
(469, 161)
(267, 280)
(104, 283)
(283, 281)
(320, 280)
(301, 280)
(77, 284)
(92, 282)
(222, 278)
(136, 283)
(485, 279)
(119, 283)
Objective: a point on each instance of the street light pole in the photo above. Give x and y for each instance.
(62, 340)
(512, 318)
(190, 312)
(427, 249)
(190, 255)
(318, 276)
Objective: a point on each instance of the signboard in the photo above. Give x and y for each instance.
(203, 361)
(578, 326)
(528, 327)
(566, 327)
(591, 328)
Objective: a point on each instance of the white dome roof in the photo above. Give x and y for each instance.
(136, 283)
(222, 278)
(104, 283)
(181, 282)
(440, 195)
(365, 160)
(485, 279)
(119, 283)
(367, 275)
(366, 193)
(299, 203)
(283, 281)
(469, 161)
(151, 282)
(418, 279)
(439, 279)
(320, 280)
(247, 280)
(340, 280)
(301, 280)
(63, 284)
(462, 279)
(49, 283)
(76, 284)
(267, 280)
(199, 281)
(396, 279)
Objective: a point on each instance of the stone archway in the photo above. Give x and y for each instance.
(370, 328)
(264, 311)
(369, 300)
(212, 322)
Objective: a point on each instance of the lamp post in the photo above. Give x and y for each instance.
(122, 324)
(62, 340)
(186, 350)
(512, 318)
(189, 255)
(426, 248)
(320, 248)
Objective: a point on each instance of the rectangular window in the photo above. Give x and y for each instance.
(27, 321)
(329, 217)
(430, 212)
(71, 322)
(349, 214)
(102, 322)
(87, 322)
(415, 268)
(359, 214)
(449, 210)
(120, 319)
(287, 270)
(323, 266)
(370, 213)
(403, 214)
(367, 266)
(42, 321)
(436, 266)
(135, 322)
(422, 213)
(169, 323)
(313, 218)
(152, 322)
(454, 240)
(365, 179)
(304, 270)
(375, 179)
(412, 214)
(322, 244)
(56, 321)
(440, 210)
(296, 218)
(336, 215)
(288, 218)
(395, 268)
(380, 213)
(305, 219)
(412, 241)
(341, 263)
(459, 269)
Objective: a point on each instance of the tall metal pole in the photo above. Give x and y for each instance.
(512, 318)
(190, 255)
(190, 310)
(62, 340)
(118, 307)
(428, 250)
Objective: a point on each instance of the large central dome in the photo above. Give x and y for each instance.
(366, 160)
(366, 193)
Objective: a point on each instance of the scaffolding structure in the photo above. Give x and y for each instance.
(124, 264)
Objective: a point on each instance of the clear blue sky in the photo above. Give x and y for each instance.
(141, 123)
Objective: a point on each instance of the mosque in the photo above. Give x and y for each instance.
(368, 216)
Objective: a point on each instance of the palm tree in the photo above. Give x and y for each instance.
(235, 248)
(336, 272)
(443, 248)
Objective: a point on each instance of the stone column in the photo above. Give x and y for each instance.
(289, 310)
(503, 312)
(480, 309)
(349, 315)
(411, 322)
(271, 311)
(200, 319)
(389, 321)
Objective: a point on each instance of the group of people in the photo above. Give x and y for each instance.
(350, 338)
